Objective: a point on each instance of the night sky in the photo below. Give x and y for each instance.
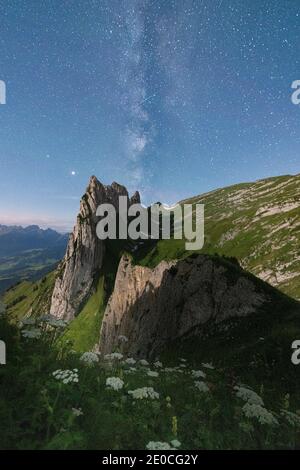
(173, 98)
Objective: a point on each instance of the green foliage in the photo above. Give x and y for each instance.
(83, 332)
(38, 411)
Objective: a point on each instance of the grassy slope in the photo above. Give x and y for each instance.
(29, 298)
(83, 332)
(268, 245)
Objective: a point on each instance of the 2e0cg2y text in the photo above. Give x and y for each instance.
(151, 459)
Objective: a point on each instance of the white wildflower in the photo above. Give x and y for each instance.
(66, 376)
(175, 443)
(131, 370)
(144, 392)
(143, 362)
(196, 374)
(115, 383)
(292, 418)
(264, 416)
(152, 373)
(115, 356)
(77, 411)
(248, 395)
(170, 369)
(130, 361)
(202, 387)
(207, 365)
(34, 333)
(152, 445)
(89, 357)
(157, 364)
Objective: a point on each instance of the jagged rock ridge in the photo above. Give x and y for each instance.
(85, 252)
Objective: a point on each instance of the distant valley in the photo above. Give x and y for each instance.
(28, 253)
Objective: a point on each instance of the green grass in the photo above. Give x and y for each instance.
(29, 298)
(83, 331)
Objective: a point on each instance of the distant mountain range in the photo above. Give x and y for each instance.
(251, 242)
(16, 239)
(28, 253)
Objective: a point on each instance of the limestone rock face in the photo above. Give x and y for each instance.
(85, 252)
(152, 307)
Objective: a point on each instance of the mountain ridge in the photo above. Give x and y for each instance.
(90, 265)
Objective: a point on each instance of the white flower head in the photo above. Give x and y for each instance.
(144, 363)
(157, 364)
(248, 395)
(263, 416)
(292, 418)
(130, 361)
(152, 373)
(77, 412)
(114, 383)
(115, 356)
(89, 357)
(144, 392)
(175, 443)
(197, 374)
(66, 376)
(201, 386)
(158, 445)
(207, 365)
(170, 369)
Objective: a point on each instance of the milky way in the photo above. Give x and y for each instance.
(170, 97)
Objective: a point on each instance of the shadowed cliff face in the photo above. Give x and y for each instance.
(153, 307)
(85, 252)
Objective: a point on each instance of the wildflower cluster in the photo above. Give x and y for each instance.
(263, 416)
(66, 376)
(130, 361)
(144, 392)
(158, 445)
(115, 356)
(197, 374)
(77, 412)
(89, 358)
(201, 386)
(292, 418)
(152, 373)
(248, 395)
(114, 383)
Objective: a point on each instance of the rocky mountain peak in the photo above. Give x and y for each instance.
(135, 198)
(85, 252)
